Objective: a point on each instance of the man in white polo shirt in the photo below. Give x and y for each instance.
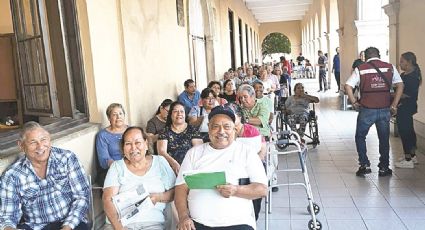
(228, 206)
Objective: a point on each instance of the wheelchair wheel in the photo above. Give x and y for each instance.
(314, 131)
(280, 126)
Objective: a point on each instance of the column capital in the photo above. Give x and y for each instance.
(392, 8)
(340, 31)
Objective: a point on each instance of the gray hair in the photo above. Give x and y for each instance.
(30, 125)
(113, 106)
(247, 88)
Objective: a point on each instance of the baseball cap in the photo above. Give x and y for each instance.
(222, 110)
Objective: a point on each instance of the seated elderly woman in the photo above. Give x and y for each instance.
(198, 115)
(157, 124)
(178, 137)
(135, 169)
(297, 107)
(108, 139)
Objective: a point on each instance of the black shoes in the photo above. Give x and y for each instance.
(275, 189)
(364, 169)
(385, 172)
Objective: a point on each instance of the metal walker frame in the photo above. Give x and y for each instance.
(284, 138)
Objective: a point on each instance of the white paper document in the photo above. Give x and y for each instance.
(131, 202)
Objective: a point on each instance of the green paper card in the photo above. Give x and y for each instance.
(204, 180)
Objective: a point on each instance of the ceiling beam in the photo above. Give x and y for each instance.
(266, 4)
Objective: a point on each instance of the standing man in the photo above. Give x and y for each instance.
(190, 96)
(375, 79)
(44, 189)
(321, 62)
(227, 206)
(336, 69)
(300, 59)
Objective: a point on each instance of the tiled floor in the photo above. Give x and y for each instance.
(347, 201)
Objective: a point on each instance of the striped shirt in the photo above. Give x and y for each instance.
(62, 196)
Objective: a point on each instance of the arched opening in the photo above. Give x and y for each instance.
(372, 26)
(197, 43)
(275, 45)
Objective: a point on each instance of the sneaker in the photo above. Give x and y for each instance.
(405, 164)
(385, 172)
(364, 169)
(319, 90)
(414, 159)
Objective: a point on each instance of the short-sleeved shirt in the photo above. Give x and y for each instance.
(238, 161)
(155, 125)
(268, 102)
(322, 60)
(179, 143)
(199, 111)
(108, 147)
(297, 105)
(260, 110)
(411, 89)
(159, 178)
(187, 102)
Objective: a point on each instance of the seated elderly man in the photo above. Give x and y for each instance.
(228, 206)
(46, 188)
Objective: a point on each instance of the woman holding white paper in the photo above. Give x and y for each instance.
(135, 169)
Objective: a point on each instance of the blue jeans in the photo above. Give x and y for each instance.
(365, 119)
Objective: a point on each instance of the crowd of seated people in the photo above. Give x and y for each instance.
(197, 131)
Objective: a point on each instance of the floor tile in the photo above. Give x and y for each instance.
(342, 213)
(345, 200)
(389, 224)
(346, 224)
(377, 213)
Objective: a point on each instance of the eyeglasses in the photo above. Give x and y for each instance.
(166, 110)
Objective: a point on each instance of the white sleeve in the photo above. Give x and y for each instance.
(255, 168)
(112, 177)
(168, 177)
(396, 76)
(354, 79)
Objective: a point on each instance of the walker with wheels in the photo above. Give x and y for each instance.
(292, 139)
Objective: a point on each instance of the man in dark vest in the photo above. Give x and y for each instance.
(375, 79)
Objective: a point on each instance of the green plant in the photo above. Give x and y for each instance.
(275, 43)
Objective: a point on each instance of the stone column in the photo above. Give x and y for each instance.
(392, 10)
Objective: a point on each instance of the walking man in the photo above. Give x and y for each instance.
(322, 71)
(336, 69)
(375, 78)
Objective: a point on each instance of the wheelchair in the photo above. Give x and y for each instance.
(312, 127)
